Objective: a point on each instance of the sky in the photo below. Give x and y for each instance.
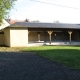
(32, 10)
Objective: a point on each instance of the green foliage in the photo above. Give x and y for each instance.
(36, 21)
(5, 6)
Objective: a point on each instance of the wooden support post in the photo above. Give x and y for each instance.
(70, 32)
(38, 36)
(28, 32)
(50, 32)
(78, 36)
(55, 36)
(45, 36)
(63, 35)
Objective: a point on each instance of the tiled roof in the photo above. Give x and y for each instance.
(11, 21)
(45, 25)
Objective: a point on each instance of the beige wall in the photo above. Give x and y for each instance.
(42, 35)
(18, 37)
(33, 36)
(7, 37)
(1, 39)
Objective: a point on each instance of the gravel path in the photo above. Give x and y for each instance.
(29, 66)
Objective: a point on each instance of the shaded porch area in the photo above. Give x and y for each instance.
(53, 37)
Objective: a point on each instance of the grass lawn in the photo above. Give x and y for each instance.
(67, 55)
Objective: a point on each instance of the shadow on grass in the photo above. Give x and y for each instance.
(67, 55)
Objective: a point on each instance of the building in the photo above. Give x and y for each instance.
(19, 34)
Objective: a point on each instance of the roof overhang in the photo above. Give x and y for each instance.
(45, 25)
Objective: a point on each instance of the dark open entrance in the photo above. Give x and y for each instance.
(53, 35)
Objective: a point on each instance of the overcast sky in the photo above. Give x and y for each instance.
(45, 12)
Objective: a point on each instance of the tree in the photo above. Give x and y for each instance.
(36, 21)
(27, 20)
(56, 21)
(5, 6)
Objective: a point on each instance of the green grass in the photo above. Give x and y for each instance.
(67, 55)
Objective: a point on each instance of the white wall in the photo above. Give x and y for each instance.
(18, 37)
